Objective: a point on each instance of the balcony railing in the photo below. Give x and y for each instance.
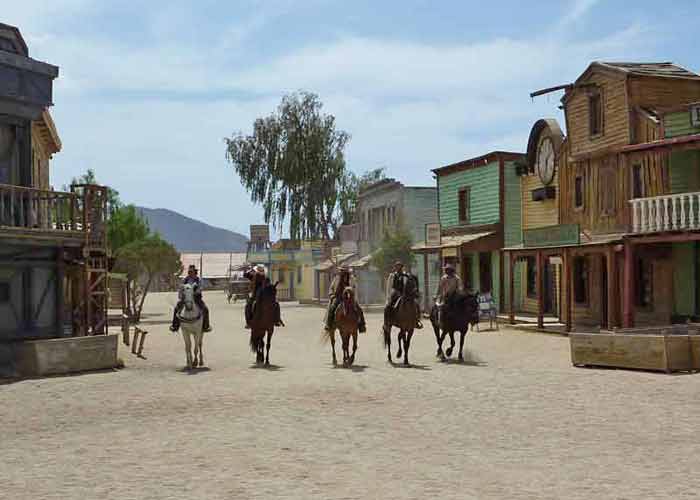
(36, 210)
(673, 212)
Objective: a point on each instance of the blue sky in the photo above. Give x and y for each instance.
(148, 90)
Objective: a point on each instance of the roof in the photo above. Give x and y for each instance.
(213, 265)
(662, 143)
(452, 241)
(478, 161)
(13, 34)
(656, 69)
(49, 134)
(586, 240)
(338, 260)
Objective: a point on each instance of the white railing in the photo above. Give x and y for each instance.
(672, 212)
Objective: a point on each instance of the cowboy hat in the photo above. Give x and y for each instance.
(259, 268)
(449, 267)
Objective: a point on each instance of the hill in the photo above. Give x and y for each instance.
(190, 235)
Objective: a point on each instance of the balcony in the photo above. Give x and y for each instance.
(28, 212)
(672, 212)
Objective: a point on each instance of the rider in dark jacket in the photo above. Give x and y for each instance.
(192, 279)
(258, 281)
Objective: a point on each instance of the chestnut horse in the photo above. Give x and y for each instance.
(404, 318)
(346, 321)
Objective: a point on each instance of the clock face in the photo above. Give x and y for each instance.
(545, 160)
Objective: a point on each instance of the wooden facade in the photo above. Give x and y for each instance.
(617, 175)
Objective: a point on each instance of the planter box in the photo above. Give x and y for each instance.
(60, 356)
(644, 351)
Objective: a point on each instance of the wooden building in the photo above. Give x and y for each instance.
(479, 203)
(612, 178)
(53, 262)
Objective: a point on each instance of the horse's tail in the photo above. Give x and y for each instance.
(253, 342)
(386, 333)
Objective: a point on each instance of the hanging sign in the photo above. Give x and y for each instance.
(433, 234)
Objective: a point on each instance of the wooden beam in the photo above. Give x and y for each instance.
(540, 290)
(610, 263)
(663, 238)
(550, 90)
(628, 287)
(511, 289)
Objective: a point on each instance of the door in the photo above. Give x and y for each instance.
(548, 288)
(485, 277)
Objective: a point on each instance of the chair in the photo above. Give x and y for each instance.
(487, 310)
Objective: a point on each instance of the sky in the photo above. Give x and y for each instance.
(147, 91)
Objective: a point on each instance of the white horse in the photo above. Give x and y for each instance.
(191, 326)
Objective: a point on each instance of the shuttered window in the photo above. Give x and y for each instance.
(595, 112)
(464, 205)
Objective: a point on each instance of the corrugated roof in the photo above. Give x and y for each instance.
(663, 69)
(212, 265)
(452, 241)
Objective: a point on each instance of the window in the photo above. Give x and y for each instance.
(637, 181)
(485, 281)
(299, 274)
(580, 280)
(606, 191)
(579, 192)
(464, 205)
(531, 269)
(595, 113)
(645, 283)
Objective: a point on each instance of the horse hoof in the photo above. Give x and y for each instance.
(352, 360)
(335, 362)
(267, 363)
(399, 353)
(405, 362)
(461, 358)
(449, 352)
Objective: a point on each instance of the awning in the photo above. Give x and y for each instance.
(451, 242)
(338, 260)
(586, 240)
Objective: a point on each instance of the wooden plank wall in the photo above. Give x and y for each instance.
(616, 130)
(657, 93)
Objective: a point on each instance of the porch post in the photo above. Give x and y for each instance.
(628, 287)
(566, 276)
(540, 291)
(60, 273)
(610, 261)
(511, 288)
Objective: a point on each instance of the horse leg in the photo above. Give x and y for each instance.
(402, 336)
(188, 347)
(452, 345)
(407, 346)
(269, 341)
(201, 351)
(354, 348)
(332, 334)
(345, 337)
(462, 336)
(442, 339)
(438, 342)
(387, 341)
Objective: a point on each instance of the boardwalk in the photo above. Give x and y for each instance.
(522, 424)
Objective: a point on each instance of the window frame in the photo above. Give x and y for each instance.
(596, 130)
(463, 204)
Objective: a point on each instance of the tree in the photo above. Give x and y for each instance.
(350, 188)
(396, 245)
(144, 261)
(126, 225)
(293, 164)
(89, 177)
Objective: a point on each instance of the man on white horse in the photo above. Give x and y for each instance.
(192, 279)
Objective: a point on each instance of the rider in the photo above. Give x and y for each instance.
(450, 283)
(341, 281)
(192, 278)
(258, 281)
(394, 290)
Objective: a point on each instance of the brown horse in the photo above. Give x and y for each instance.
(263, 322)
(347, 320)
(404, 318)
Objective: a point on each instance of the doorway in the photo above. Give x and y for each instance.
(485, 277)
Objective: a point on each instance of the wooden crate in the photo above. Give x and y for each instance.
(643, 351)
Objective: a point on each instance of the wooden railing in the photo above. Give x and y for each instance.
(673, 212)
(40, 210)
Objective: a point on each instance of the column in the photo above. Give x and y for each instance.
(540, 290)
(628, 287)
(612, 281)
(511, 288)
(566, 278)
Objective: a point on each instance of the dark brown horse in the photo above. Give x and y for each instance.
(404, 318)
(263, 322)
(458, 313)
(347, 320)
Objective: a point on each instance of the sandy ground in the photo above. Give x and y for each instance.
(522, 423)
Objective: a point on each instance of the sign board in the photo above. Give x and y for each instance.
(433, 234)
(259, 233)
(552, 236)
(695, 115)
(449, 252)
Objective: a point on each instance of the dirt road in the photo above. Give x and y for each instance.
(522, 423)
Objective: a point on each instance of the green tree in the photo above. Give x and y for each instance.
(293, 164)
(125, 225)
(396, 245)
(145, 261)
(350, 188)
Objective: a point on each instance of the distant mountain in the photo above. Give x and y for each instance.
(189, 235)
